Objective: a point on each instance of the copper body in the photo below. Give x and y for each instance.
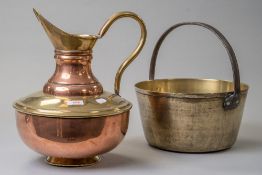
(73, 75)
(72, 138)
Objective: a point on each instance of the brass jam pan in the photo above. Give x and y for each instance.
(191, 115)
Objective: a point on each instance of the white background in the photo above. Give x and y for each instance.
(27, 62)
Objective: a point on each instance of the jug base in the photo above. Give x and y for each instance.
(68, 162)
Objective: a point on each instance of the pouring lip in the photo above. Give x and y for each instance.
(87, 36)
(63, 40)
(84, 36)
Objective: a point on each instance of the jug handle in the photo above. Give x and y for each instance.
(135, 52)
(231, 100)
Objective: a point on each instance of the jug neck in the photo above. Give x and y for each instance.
(73, 75)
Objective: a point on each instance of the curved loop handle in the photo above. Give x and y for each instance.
(231, 100)
(135, 52)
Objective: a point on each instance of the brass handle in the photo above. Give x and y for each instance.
(136, 51)
(231, 100)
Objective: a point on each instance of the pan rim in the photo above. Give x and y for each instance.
(141, 90)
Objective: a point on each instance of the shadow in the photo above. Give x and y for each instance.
(241, 144)
(108, 161)
(135, 153)
(114, 160)
(39, 161)
(249, 137)
(247, 145)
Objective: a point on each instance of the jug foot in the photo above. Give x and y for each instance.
(67, 162)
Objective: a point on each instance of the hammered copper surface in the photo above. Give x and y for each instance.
(72, 138)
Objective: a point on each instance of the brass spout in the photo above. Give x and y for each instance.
(66, 41)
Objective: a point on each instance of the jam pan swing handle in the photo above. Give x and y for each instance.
(231, 100)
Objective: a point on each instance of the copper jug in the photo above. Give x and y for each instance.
(73, 120)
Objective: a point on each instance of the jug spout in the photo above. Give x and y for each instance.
(66, 41)
(73, 54)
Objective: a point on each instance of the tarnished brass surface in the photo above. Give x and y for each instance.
(192, 115)
(187, 115)
(72, 138)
